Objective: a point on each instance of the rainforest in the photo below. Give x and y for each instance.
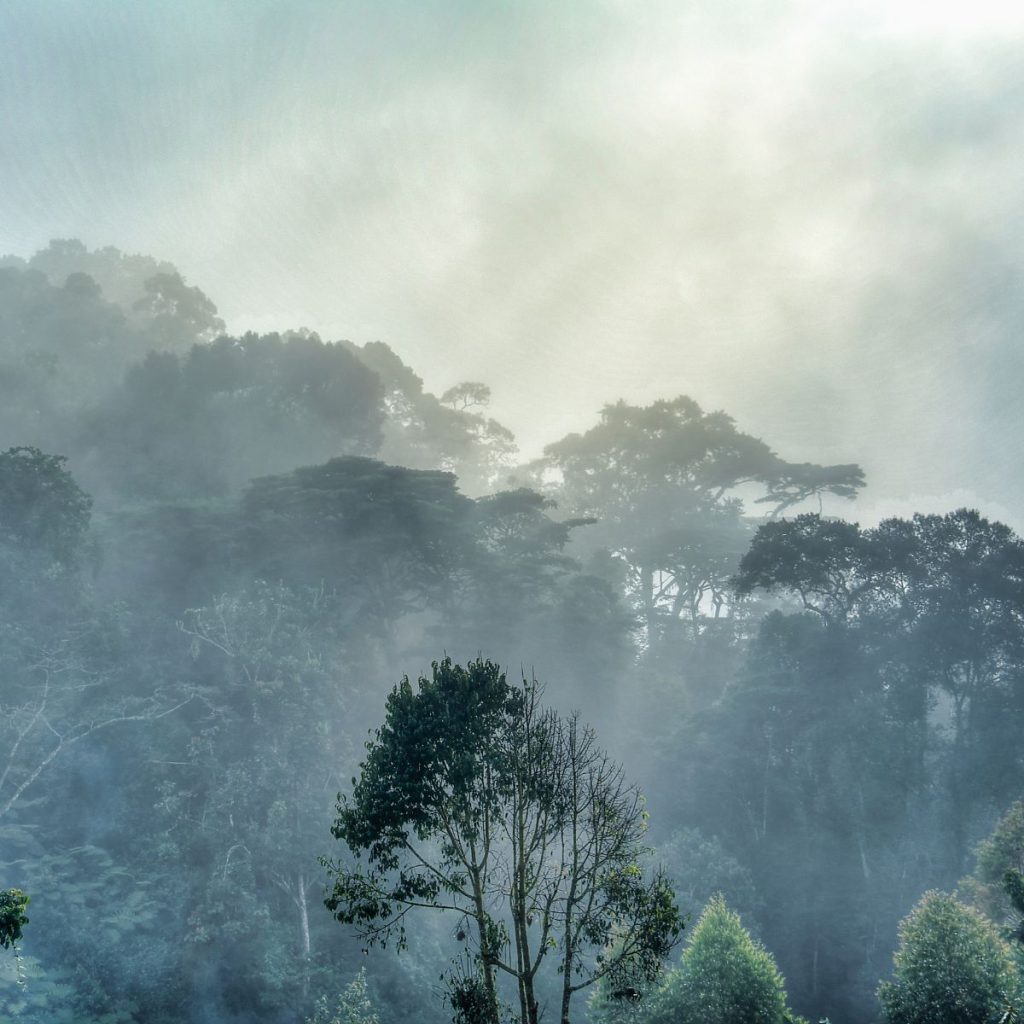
(511, 513)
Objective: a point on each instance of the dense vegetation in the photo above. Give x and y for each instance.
(220, 554)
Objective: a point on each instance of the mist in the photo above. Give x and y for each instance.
(803, 213)
(663, 354)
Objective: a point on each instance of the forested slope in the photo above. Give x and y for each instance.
(220, 553)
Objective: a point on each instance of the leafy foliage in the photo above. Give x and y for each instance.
(473, 799)
(951, 967)
(204, 423)
(42, 509)
(996, 887)
(184, 673)
(725, 977)
(353, 1006)
(13, 903)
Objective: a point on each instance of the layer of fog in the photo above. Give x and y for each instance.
(806, 214)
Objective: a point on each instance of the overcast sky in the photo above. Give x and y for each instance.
(809, 214)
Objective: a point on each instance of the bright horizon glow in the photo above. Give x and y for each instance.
(946, 16)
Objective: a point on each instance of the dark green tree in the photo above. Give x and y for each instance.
(393, 539)
(940, 601)
(13, 903)
(475, 800)
(803, 769)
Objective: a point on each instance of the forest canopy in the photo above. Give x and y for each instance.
(220, 551)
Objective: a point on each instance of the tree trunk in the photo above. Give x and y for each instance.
(647, 586)
(304, 925)
(486, 954)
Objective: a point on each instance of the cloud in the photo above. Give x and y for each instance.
(808, 214)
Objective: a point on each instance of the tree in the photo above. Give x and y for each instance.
(724, 977)
(265, 749)
(667, 482)
(105, 937)
(951, 967)
(13, 903)
(391, 537)
(794, 483)
(808, 771)
(700, 867)
(940, 600)
(467, 395)
(205, 422)
(521, 585)
(353, 1006)
(450, 432)
(42, 510)
(476, 800)
(59, 653)
(121, 276)
(996, 887)
(180, 315)
(62, 347)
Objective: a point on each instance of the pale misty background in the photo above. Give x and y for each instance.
(808, 214)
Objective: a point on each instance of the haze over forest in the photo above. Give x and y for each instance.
(664, 356)
(805, 213)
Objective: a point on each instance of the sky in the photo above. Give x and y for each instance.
(808, 214)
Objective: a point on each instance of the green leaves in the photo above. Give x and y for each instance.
(951, 967)
(353, 1006)
(725, 977)
(427, 765)
(433, 775)
(13, 903)
(475, 799)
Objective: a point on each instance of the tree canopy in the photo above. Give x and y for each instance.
(13, 903)
(951, 967)
(724, 977)
(475, 800)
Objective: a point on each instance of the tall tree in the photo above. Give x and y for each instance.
(179, 314)
(59, 652)
(204, 423)
(475, 800)
(62, 348)
(246, 791)
(940, 600)
(452, 432)
(392, 539)
(666, 482)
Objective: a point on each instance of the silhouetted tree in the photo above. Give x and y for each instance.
(13, 903)
(475, 800)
